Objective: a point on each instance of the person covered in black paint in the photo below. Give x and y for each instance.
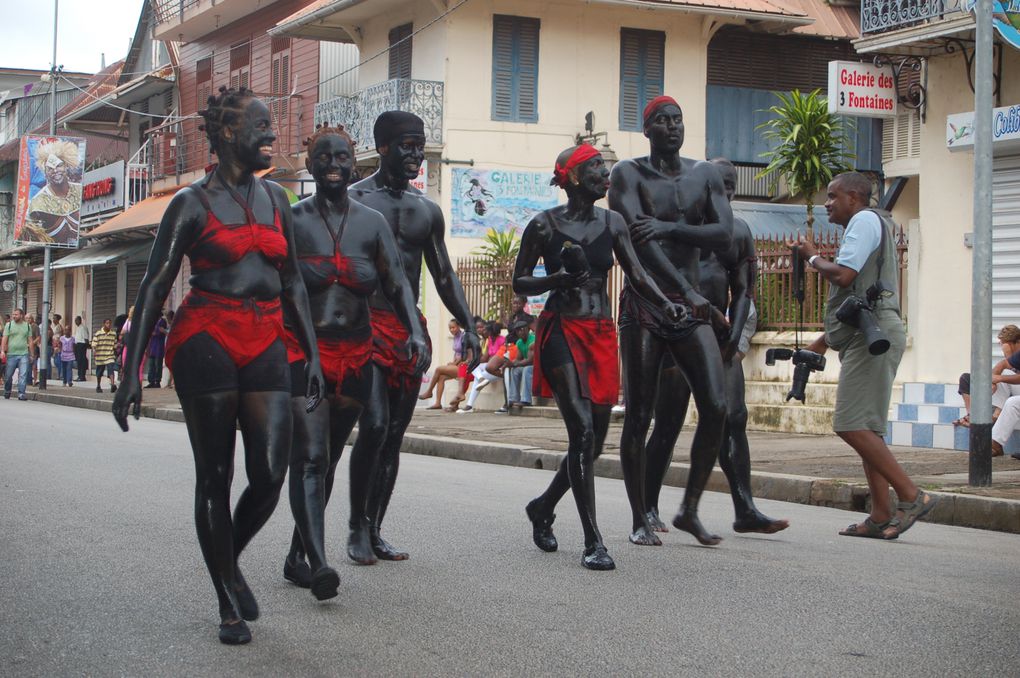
(726, 279)
(346, 252)
(673, 205)
(418, 225)
(225, 348)
(575, 348)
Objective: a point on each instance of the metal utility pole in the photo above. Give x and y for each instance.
(44, 326)
(981, 296)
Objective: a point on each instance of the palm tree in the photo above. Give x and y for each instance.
(810, 146)
(498, 254)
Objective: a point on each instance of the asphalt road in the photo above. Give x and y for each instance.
(101, 575)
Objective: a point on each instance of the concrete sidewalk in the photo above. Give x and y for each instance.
(808, 469)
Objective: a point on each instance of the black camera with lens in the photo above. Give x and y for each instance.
(804, 363)
(859, 313)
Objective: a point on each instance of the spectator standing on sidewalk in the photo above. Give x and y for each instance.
(104, 355)
(33, 349)
(56, 331)
(66, 353)
(15, 349)
(157, 349)
(81, 346)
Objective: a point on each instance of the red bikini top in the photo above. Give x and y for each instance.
(318, 271)
(222, 244)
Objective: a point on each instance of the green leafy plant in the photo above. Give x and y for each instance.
(809, 146)
(498, 254)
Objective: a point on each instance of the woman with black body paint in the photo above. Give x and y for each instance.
(225, 349)
(345, 252)
(575, 348)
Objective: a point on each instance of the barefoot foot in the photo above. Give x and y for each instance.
(644, 536)
(597, 558)
(758, 522)
(656, 522)
(385, 551)
(297, 572)
(359, 546)
(689, 522)
(325, 583)
(541, 527)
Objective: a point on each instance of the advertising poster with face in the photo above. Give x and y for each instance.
(498, 199)
(48, 208)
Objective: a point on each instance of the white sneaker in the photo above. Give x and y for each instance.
(467, 410)
(619, 408)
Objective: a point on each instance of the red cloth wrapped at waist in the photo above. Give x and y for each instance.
(338, 358)
(593, 346)
(245, 328)
(389, 339)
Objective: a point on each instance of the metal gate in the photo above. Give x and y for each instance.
(104, 295)
(1005, 243)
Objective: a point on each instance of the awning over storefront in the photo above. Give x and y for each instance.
(102, 254)
(145, 214)
(769, 220)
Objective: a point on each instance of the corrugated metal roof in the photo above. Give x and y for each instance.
(840, 21)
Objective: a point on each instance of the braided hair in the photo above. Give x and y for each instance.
(325, 130)
(225, 109)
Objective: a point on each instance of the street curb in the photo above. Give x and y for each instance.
(962, 510)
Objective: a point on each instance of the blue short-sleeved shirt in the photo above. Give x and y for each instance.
(862, 237)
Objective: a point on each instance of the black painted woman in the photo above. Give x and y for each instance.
(575, 346)
(346, 252)
(225, 349)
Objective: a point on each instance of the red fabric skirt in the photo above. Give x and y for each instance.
(245, 328)
(338, 358)
(389, 351)
(593, 346)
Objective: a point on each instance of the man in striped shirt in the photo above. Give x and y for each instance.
(103, 355)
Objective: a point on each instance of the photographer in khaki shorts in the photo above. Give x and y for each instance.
(866, 256)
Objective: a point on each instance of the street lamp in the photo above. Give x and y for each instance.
(591, 136)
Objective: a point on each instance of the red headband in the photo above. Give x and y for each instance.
(580, 154)
(655, 104)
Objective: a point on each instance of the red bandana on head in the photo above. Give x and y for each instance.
(581, 153)
(655, 104)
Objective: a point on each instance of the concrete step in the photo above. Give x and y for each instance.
(938, 436)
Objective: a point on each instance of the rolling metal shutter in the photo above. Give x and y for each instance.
(33, 298)
(104, 295)
(1005, 243)
(135, 273)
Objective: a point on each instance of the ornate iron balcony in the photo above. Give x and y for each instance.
(357, 112)
(878, 16)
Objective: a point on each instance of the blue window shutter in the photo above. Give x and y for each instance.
(642, 72)
(515, 68)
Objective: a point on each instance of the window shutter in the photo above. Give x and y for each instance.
(502, 68)
(527, 70)
(203, 82)
(400, 52)
(515, 68)
(240, 66)
(642, 71)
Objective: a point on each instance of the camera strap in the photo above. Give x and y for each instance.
(881, 243)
